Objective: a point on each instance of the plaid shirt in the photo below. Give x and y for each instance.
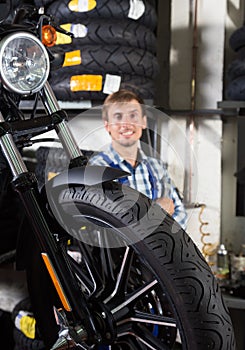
(149, 177)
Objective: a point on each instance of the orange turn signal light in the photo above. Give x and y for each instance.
(49, 35)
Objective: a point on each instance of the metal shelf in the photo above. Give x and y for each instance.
(232, 108)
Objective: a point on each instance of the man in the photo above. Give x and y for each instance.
(124, 118)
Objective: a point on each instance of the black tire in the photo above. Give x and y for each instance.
(111, 58)
(8, 257)
(22, 342)
(235, 90)
(52, 160)
(60, 82)
(24, 305)
(6, 326)
(113, 32)
(235, 69)
(241, 53)
(42, 3)
(149, 249)
(108, 9)
(144, 87)
(237, 39)
(55, 157)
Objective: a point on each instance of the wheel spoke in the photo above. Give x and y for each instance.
(128, 289)
(136, 295)
(122, 278)
(91, 268)
(85, 281)
(145, 338)
(147, 318)
(131, 342)
(106, 257)
(98, 269)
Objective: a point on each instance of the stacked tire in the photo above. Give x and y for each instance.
(235, 89)
(52, 160)
(26, 335)
(113, 46)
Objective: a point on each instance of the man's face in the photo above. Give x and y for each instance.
(125, 122)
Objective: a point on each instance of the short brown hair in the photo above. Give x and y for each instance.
(121, 96)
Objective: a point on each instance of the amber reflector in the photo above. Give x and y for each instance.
(49, 35)
(56, 281)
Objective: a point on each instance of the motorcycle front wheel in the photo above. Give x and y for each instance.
(147, 284)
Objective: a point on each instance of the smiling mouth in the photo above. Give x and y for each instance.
(127, 133)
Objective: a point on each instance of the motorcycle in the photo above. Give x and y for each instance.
(106, 267)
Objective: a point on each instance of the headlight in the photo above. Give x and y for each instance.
(24, 63)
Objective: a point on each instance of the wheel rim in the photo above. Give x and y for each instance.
(130, 306)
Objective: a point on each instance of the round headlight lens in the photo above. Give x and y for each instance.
(24, 63)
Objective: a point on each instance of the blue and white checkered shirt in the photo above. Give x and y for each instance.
(149, 177)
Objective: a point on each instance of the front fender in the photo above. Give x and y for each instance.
(88, 175)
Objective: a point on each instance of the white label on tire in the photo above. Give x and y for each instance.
(136, 9)
(83, 5)
(79, 30)
(112, 83)
(19, 317)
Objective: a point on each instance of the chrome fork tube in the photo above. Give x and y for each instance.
(11, 153)
(62, 129)
(49, 99)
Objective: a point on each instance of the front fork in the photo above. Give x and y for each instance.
(68, 142)
(25, 184)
